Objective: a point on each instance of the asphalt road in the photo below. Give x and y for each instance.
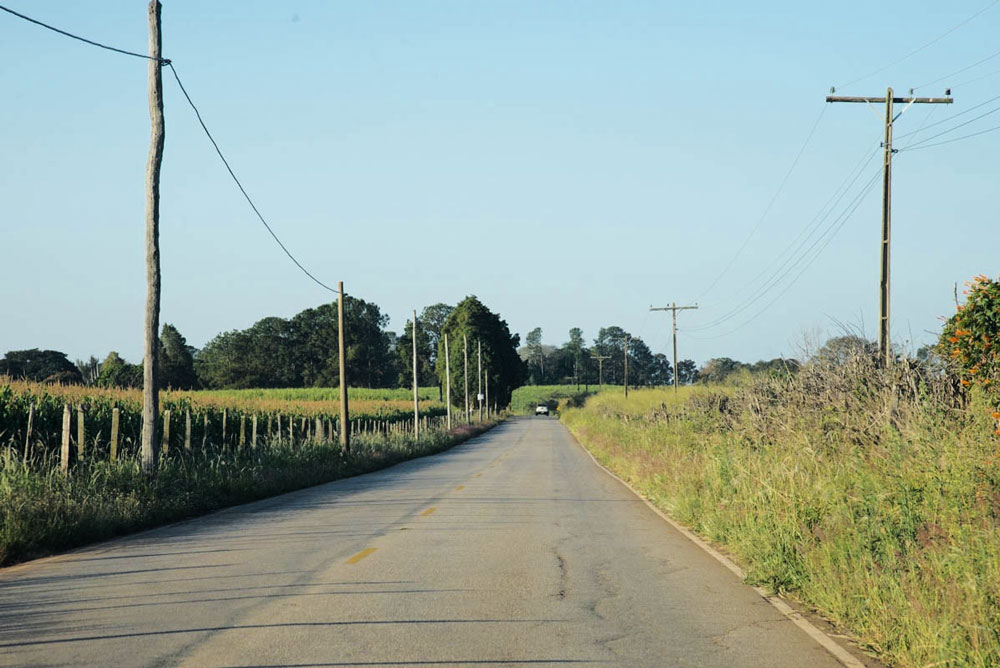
(513, 549)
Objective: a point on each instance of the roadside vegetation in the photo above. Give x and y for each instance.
(870, 494)
(43, 511)
(526, 398)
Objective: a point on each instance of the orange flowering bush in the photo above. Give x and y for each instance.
(970, 338)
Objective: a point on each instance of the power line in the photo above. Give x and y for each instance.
(788, 255)
(949, 118)
(953, 139)
(82, 39)
(167, 62)
(829, 238)
(922, 47)
(240, 185)
(782, 272)
(767, 209)
(964, 69)
(952, 129)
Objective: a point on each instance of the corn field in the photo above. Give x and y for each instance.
(105, 424)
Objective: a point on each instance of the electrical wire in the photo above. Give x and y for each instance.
(82, 39)
(827, 234)
(952, 129)
(952, 140)
(964, 69)
(832, 232)
(795, 246)
(922, 47)
(168, 63)
(945, 120)
(767, 209)
(240, 185)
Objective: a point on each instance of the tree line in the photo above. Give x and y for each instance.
(574, 362)
(302, 351)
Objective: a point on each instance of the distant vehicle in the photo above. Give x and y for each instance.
(541, 409)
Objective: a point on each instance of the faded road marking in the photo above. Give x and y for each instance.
(429, 511)
(360, 555)
(460, 488)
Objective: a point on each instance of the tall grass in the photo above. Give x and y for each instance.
(870, 494)
(42, 511)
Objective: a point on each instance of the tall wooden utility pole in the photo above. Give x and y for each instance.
(416, 384)
(465, 367)
(345, 423)
(600, 369)
(479, 378)
(888, 100)
(627, 339)
(150, 360)
(447, 375)
(674, 308)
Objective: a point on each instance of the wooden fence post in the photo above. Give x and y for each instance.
(243, 430)
(291, 431)
(115, 417)
(253, 425)
(204, 432)
(187, 430)
(225, 414)
(31, 425)
(64, 451)
(165, 448)
(318, 433)
(81, 432)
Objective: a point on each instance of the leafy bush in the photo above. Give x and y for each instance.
(970, 340)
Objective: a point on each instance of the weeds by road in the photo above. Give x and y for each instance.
(872, 495)
(43, 511)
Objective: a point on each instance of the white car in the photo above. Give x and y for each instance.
(541, 409)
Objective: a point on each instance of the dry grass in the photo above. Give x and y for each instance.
(872, 495)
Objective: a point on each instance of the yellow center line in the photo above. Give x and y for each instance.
(478, 475)
(460, 488)
(360, 555)
(429, 511)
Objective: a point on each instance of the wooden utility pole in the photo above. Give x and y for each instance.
(345, 432)
(447, 375)
(883, 318)
(416, 385)
(479, 378)
(627, 339)
(674, 308)
(465, 366)
(150, 360)
(600, 369)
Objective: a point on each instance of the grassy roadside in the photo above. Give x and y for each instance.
(43, 511)
(878, 507)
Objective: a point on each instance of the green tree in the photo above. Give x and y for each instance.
(90, 370)
(501, 362)
(536, 356)
(176, 361)
(116, 372)
(40, 365)
(687, 372)
(717, 370)
(404, 350)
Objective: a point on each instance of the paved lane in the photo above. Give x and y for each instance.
(513, 549)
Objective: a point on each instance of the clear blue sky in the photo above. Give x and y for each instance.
(570, 163)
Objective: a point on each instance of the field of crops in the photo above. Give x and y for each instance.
(527, 397)
(32, 417)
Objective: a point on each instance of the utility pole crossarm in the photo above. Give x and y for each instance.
(884, 343)
(674, 308)
(896, 100)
